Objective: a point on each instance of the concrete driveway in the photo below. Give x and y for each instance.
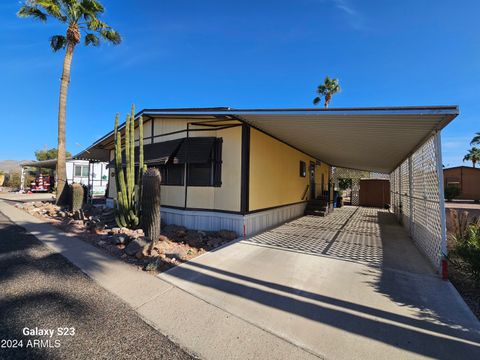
(347, 286)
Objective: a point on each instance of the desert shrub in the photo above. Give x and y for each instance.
(467, 249)
(12, 180)
(451, 192)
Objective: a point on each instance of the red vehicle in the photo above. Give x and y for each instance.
(40, 184)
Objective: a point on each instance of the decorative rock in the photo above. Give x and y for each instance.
(115, 230)
(154, 265)
(136, 245)
(118, 239)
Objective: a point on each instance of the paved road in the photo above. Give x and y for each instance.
(40, 288)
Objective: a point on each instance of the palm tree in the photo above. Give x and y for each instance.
(77, 15)
(473, 155)
(476, 139)
(327, 90)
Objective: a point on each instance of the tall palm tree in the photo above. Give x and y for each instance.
(473, 155)
(327, 90)
(476, 139)
(78, 16)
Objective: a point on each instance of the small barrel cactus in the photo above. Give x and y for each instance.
(151, 180)
(76, 197)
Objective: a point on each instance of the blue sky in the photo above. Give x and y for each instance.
(242, 54)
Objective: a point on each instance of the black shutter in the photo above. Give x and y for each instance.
(217, 162)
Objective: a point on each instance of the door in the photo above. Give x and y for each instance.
(312, 180)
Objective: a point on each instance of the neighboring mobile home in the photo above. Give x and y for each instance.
(92, 174)
(467, 179)
(248, 170)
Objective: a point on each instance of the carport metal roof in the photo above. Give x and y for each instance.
(375, 139)
(47, 164)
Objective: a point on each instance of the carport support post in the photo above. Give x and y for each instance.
(22, 179)
(441, 199)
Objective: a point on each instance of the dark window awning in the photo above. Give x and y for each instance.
(199, 150)
(160, 153)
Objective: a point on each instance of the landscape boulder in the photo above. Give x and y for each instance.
(136, 245)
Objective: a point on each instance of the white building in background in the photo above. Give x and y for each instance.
(92, 174)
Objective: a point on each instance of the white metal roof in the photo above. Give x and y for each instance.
(374, 139)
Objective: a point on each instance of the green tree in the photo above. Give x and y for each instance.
(476, 139)
(49, 154)
(473, 155)
(329, 88)
(77, 16)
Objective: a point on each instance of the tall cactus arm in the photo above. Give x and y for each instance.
(122, 189)
(132, 155)
(140, 166)
(127, 155)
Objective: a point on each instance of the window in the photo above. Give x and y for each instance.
(207, 173)
(303, 169)
(172, 174)
(81, 170)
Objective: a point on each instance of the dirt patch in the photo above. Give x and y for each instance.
(94, 225)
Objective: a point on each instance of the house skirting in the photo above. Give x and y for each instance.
(242, 224)
(247, 225)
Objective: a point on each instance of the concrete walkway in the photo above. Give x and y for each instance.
(202, 328)
(350, 285)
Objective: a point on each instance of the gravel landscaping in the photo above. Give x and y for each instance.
(96, 226)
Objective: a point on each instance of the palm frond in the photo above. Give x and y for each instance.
(111, 36)
(317, 100)
(32, 11)
(91, 6)
(58, 42)
(476, 139)
(53, 8)
(95, 24)
(92, 39)
(322, 90)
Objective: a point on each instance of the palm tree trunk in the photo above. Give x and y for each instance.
(62, 117)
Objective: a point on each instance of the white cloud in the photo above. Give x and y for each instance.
(355, 18)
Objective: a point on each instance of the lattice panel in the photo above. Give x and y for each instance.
(356, 192)
(405, 193)
(420, 199)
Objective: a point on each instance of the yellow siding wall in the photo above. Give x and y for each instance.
(275, 172)
(226, 197)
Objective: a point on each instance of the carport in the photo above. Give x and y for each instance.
(401, 141)
(351, 284)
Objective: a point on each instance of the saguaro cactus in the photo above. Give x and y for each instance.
(151, 203)
(127, 204)
(77, 196)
